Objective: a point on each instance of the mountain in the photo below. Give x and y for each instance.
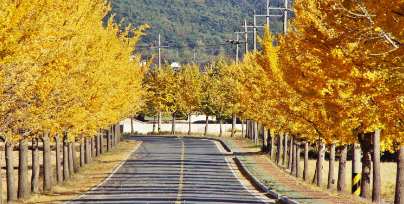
(194, 30)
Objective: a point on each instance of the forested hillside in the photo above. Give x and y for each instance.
(195, 30)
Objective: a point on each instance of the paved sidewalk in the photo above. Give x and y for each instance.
(272, 176)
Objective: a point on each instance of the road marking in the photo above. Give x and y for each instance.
(181, 175)
(109, 177)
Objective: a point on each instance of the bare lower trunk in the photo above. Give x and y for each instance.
(376, 192)
(306, 162)
(366, 146)
(280, 150)
(101, 142)
(206, 125)
(59, 177)
(331, 180)
(154, 125)
(131, 125)
(221, 132)
(47, 163)
(82, 152)
(399, 196)
(11, 190)
(233, 126)
(108, 141)
(70, 151)
(75, 166)
(190, 122)
(173, 125)
(242, 129)
(1, 179)
(23, 180)
(97, 145)
(293, 149)
(297, 160)
(342, 169)
(87, 150)
(65, 158)
(285, 153)
(35, 166)
(290, 152)
(320, 159)
(92, 147)
(272, 146)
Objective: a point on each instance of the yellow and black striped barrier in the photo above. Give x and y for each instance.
(356, 184)
(234, 132)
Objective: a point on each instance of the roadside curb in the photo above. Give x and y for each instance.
(264, 188)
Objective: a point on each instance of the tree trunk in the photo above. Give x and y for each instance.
(35, 166)
(399, 196)
(47, 163)
(189, 128)
(59, 177)
(294, 150)
(285, 153)
(220, 125)
(11, 190)
(87, 152)
(75, 166)
(173, 126)
(331, 180)
(376, 192)
(70, 151)
(101, 142)
(280, 150)
(117, 137)
(320, 159)
(131, 125)
(154, 125)
(97, 145)
(159, 123)
(92, 147)
(108, 141)
(242, 129)
(233, 126)
(290, 153)
(256, 133)
(82, 160)
(264, 140)
(297, 160)
(206, 125)
(1, 179)
(112, 138)
(65, 158)
(342, 169)
(272, 149)
(306, 162)
(23, 181)
(366, 146)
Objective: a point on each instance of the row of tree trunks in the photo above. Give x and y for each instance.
(69, 162)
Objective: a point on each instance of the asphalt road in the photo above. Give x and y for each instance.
(172, 170)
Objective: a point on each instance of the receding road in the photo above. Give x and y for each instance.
(172, 170)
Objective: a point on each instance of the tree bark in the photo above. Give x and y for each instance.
(290, 153)
(189, 128)
(366, 146)
(206, 125)
(173, 126)
(342, 169)
(320, 159)
(47, 163)
(23, 181)
(399, 195)
(376, 192)
(256, 133)
(285, 153)
(331, 180)
(280, 150)
(154, 125)
(220, 125)
(131, 125)
(82, 160)
(59, 177)
(92, 147)
(65, 158)
(233, 126)
(297, 160)
(87, 152)
(35, 166)
(242, 129)
(75, 166)
(108, 141)
(306, 162)
(70, 151)
(294, 150)
(11, 190)
(272, 144)
(97, 145)
(1, 179)
(101, 142)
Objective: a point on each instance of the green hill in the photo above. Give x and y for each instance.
(194, 30)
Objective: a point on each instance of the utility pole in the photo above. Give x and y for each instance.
(269, 15)
(237, 42)
(159, 49)
(285, 13)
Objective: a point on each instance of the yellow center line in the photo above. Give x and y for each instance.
(181, 175)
